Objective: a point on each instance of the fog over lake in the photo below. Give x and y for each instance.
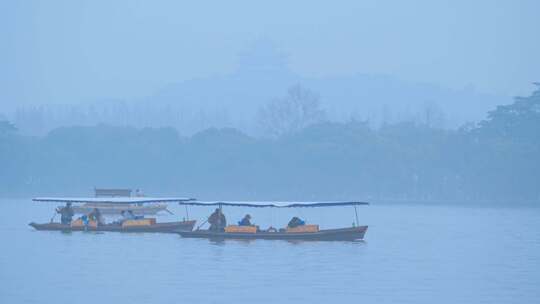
(429, 111)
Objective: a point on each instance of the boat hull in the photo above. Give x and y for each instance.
(342, 234)
(167, 227)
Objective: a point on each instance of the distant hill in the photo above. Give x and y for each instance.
(263, 75)
(375, 98)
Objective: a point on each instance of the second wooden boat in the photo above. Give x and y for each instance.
(130, 222)
(165, 227)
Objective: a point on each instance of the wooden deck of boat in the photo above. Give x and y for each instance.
(166, 227)
(342, 234)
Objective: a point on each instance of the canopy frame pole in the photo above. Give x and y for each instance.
(356, 213)
(54, 216)
(220, 213)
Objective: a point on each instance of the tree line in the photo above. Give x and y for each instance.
(304, 157)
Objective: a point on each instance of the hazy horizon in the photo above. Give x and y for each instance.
(66, 52)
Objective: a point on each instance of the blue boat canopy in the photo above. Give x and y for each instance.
(272, 204)
(113, 200)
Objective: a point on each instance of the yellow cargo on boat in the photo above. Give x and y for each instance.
(242, 229)
(139, 222)
(303, 228)
(79, 223)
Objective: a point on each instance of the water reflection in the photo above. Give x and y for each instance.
(417, 254)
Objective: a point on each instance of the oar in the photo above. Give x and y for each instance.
(202, 224)
(52, 218)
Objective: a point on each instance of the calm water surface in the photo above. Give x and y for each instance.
(412, 254)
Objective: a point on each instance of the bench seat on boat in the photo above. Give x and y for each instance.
(139, 222)
(80, 223)
(241, 229)
(303, 228)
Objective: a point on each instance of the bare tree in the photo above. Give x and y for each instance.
(432, 115)
(299, 109)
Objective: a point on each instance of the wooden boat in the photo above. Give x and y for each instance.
(300, 233)
(119, 203)
(165, 227)
(341, 234)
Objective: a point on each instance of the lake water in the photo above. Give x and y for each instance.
(413, 253)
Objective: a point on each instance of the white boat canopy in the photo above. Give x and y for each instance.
(113, 200)
(272, 204)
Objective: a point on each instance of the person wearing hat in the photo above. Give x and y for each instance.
(246, 221)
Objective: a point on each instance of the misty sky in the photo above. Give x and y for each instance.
(77, 51)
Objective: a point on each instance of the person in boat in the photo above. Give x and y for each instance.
(125, 216)
(128, 215)
(66, 214)
(135, 217)
(84, 219)
(96, 216)
(295, 222)
(246, 221)
(271, 229)
(217, 221)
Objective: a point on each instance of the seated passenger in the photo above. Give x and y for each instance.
(295, 222)
(271, 229)
(84, 219)
(96, 216)
(125, 215)
(246, 221)
(217, 221)
(131, 216)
